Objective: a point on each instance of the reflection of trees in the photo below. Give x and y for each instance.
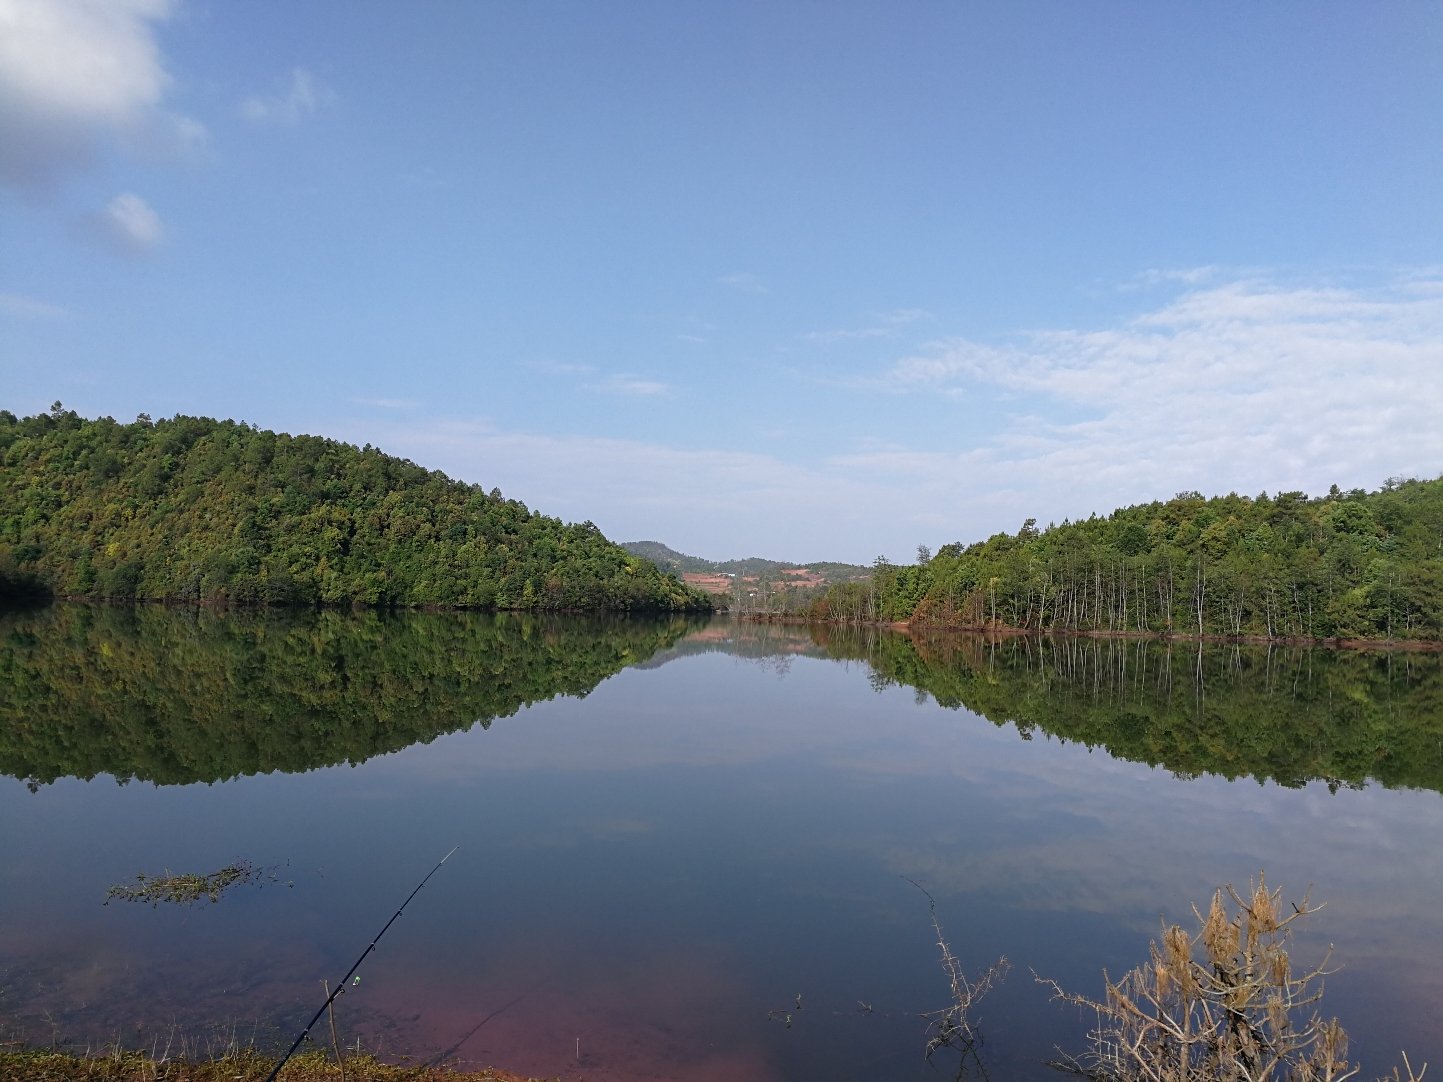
(1288, 715)
(175, 696)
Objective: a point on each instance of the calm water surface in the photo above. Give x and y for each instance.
(668, 831)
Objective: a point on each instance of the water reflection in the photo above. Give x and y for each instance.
(177, 696)
(656, 855)
(1289, 715)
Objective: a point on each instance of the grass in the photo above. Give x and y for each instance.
(50, 1065)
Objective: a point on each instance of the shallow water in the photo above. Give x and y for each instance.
(702, 824)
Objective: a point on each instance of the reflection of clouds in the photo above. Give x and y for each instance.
(702, 711)
(581, 830)
(885, 786)
(1141, 847)
(617, 827)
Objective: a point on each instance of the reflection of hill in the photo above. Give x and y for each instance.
(753, 641)
(1286, 715)
(174, 696)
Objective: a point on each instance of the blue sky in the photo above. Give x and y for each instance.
(809, 281)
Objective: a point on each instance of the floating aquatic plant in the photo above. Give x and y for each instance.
(189, 888)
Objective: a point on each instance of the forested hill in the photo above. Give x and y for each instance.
(1351, 565)
(195, 509)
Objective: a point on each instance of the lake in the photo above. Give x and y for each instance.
(669, 831)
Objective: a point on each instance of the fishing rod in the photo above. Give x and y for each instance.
(349, 973)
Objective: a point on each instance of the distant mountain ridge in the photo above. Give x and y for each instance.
(669, 559)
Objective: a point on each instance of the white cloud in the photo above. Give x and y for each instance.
(1243, 386)
(22, 307)
(74, 74)
(298, 99)
(128, 225)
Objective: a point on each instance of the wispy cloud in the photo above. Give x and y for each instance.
(1185, 276)
(620, 383)
(743, 282)
(1245, 385)
(561, 368)
(632, 385)
(127, 225)
(388, 403)
(76, 75)
(845, 335)
(881, 325)
(899, 316)
(22, 307)
(301, 96)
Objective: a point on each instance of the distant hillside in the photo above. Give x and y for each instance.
(752, 585)
(668, 559)
(194, 509)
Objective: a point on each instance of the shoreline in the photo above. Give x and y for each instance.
(919, 630)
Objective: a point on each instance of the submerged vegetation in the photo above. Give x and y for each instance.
(197, 510)
(1349, 565)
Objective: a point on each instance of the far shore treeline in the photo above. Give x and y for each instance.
(1348, 565)
(197, 510)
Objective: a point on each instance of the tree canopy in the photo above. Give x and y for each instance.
(1348, 565)
(194, 509)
